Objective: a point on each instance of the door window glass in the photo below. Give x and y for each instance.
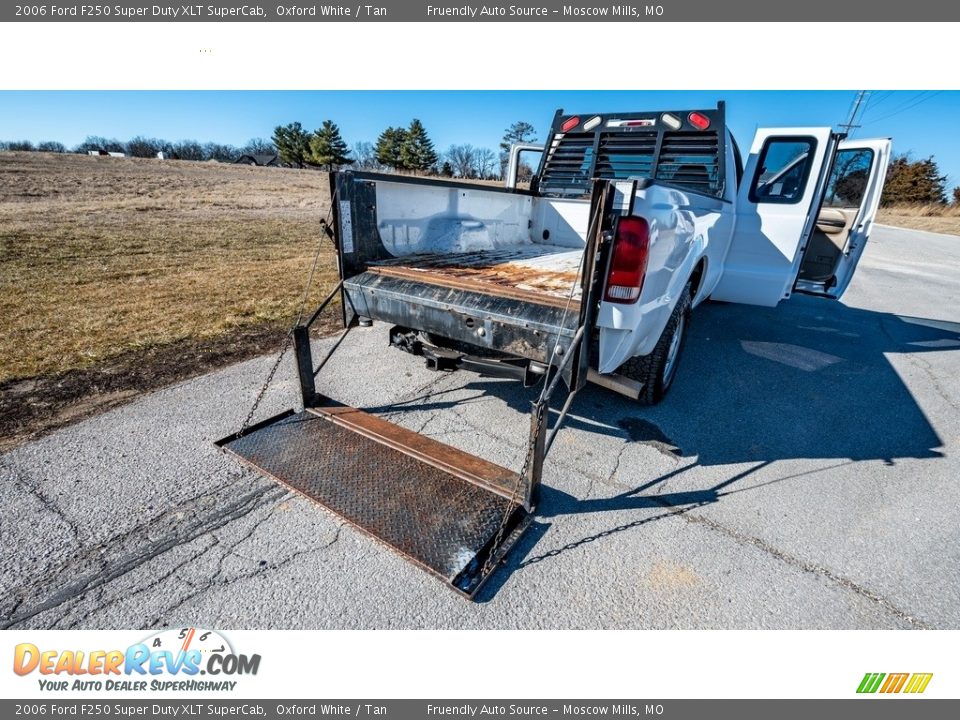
(783, 170)
(848, 179)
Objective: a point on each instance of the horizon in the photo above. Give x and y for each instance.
(920, 122)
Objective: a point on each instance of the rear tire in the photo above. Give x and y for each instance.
(658, 369)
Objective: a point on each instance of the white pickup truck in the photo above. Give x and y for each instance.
(631, 221)
(687, 220)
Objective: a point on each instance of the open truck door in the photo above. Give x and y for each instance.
(805, 209)
(783, 184)
(845, 217)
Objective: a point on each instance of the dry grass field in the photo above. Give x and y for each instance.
(934, 218)
(115, 266)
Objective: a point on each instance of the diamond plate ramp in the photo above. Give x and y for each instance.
(436, 505)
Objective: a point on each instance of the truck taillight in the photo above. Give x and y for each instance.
(628, 261)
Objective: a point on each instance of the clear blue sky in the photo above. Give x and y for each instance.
(924, 123)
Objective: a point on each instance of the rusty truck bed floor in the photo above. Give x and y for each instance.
(536, 271)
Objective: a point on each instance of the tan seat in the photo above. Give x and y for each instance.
(827, 243)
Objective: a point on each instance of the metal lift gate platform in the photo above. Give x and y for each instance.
(436, 505)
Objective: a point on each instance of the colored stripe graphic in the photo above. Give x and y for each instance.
(870, 682)
(894, 682)
(918, 682)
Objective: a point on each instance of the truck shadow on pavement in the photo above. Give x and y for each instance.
(810, 379)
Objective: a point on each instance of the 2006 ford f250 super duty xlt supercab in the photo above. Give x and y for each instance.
(630, 221)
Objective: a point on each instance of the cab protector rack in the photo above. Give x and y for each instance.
(683, 149)
(453, 514)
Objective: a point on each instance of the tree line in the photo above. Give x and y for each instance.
(144, 147)
(397, 149)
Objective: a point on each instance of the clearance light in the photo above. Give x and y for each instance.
(644, 122)
(671, 121)
(592, 123)
(570, 123)
(628, 264)
(699, 120)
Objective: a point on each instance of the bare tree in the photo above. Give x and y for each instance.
(462, 159)
(142, 147)
(188, 150)
(485, 163)
(258, 146)
(220, 152)
(21, 145)
(365, 156)
(51, 146)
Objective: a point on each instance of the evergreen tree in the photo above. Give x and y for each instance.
(292, 143)
(956, 196)
(916, 181)
(417, 152)
(389, 148)
(327, 147)
(519, 132)
(447, 169)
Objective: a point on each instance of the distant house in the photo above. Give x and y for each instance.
(105, 153)
(259, 159)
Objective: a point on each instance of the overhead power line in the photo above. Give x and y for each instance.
(908, 105)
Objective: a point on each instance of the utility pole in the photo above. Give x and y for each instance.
(859, 102)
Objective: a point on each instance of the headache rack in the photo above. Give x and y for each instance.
(680, 149)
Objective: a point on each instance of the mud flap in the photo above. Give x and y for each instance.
(439, 507)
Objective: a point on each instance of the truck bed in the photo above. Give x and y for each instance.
(543, 274)
(466, 262)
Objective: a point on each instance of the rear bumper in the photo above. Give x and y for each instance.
(516, 327)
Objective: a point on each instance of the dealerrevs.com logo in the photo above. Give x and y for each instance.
(169, 660)
(910, 683)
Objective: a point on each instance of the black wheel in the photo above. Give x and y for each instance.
(658, 369)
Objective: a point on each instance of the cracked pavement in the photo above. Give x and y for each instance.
(802, 474)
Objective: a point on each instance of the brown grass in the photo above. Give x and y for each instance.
(929, 216)
(104, 256)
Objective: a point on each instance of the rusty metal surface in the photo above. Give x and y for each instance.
(404, 497)
(497, 320)
(536, 273)
(468, 467)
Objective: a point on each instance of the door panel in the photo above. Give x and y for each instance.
(853, 192)
(783, 181)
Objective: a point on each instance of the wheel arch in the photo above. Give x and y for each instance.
(696, 279)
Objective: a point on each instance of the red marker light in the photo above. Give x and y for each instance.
(570, 123)
(698, 120)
